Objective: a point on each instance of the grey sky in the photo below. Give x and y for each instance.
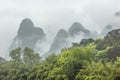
(53, 15)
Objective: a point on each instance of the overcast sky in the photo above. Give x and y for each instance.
(53, 15)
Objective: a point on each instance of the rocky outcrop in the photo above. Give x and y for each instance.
(114, 34)
(85, 42)
(27, 35)
(112, 40)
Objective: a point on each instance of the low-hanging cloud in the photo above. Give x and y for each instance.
(52, 15)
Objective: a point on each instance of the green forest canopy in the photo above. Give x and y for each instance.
(96, 60)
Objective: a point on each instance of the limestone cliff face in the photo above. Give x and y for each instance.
(64, 39)
(76, 28)
(60, 41)
(34, 37)
(113, 35)
(27, 35)
(26, 28)
(111, 39)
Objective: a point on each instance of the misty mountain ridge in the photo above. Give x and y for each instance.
(27, 35)
(35, 38)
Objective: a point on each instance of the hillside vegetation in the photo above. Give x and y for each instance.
(90, 60)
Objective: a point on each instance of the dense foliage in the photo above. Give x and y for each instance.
(87, 62)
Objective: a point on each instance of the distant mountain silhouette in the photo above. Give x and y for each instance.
(34, 37)
(62, 38)
(60, 41)
(76, 28)
(27, 35)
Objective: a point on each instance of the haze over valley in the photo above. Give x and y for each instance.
(55, 17)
